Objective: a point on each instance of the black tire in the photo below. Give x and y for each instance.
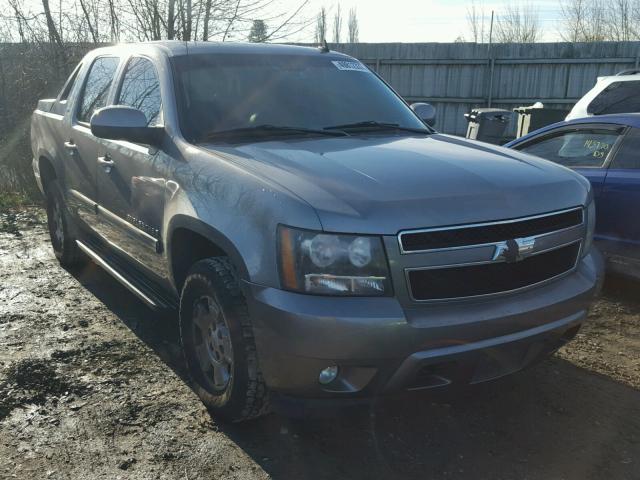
(61, 227)
(211, 300)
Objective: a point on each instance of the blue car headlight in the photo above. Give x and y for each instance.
(331, 264)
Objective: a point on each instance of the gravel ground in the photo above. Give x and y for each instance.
(92, 385)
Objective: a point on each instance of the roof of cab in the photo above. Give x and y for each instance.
(175, 48)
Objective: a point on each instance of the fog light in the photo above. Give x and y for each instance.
(328, 375)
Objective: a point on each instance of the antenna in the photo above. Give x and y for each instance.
(324, 48)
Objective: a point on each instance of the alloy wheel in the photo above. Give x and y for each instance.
(212, 343)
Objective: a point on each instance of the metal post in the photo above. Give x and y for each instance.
(491, 62)
(490, 35)
(490, 96)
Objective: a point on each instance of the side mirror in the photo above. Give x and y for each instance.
(124, 123)
(426, 112)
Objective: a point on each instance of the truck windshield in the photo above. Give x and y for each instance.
(222, 93)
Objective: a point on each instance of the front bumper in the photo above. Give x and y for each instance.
(382, 345)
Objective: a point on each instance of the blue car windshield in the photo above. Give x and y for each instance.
(225, 92)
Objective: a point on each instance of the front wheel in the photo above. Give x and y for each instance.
(218, 344)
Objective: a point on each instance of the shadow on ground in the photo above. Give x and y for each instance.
(554, 421)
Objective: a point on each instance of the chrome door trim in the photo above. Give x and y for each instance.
(141, 235)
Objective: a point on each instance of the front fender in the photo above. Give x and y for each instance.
(210, 233)
(236, 209)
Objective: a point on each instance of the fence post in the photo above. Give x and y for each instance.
(492, 64)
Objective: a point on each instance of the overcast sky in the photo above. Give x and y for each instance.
(400, 20)
(426, 20)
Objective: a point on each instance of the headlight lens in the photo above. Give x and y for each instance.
(591, 227)
(329, 264)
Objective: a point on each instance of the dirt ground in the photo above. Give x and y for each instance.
(92, 385)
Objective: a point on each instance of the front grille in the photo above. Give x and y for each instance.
(489, 233)
(490, 278)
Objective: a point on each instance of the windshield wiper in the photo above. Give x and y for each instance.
(267, 129)
(375, 125)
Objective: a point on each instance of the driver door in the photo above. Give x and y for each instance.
(131, 177)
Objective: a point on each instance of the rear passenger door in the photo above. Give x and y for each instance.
(619, 211)
(131, 184)
(80, 145)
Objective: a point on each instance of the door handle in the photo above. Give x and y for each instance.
(71, 147)
(106, 162)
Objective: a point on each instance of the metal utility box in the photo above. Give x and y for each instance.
(534, 117)
(488, 124)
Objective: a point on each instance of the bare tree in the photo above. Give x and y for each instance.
(114, 24)
(476, 23)
(619, 19)
(600, 20)
(54, 36)
(583, 21)
(321, 26)
(337, 25)
(207, 19)
(87, 16)
(78, 21)
(353, 29)
(518, 24)
(187, 11)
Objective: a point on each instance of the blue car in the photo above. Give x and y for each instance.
(606, 150)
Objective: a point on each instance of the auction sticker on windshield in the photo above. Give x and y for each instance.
(346, 65)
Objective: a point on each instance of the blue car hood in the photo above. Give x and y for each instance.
(384, 184)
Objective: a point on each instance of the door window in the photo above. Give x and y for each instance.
(575, 149)
(619, 97)
(629, 154)
(141, 89)
(97, 86)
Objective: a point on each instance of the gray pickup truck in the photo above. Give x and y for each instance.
(319, 238)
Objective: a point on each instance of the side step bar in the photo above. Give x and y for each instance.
(152, 300)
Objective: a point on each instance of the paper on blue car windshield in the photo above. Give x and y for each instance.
(349, 65)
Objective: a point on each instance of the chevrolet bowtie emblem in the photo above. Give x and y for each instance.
(514, 250)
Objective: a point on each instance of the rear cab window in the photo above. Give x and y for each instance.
(68, 85)
(59, 106)
(584, 148)
(96, 87)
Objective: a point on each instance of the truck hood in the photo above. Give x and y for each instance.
(384, 184)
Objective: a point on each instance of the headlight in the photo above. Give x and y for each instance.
(329, 264)
(591, 227)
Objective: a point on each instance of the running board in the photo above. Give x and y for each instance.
(149, 298)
